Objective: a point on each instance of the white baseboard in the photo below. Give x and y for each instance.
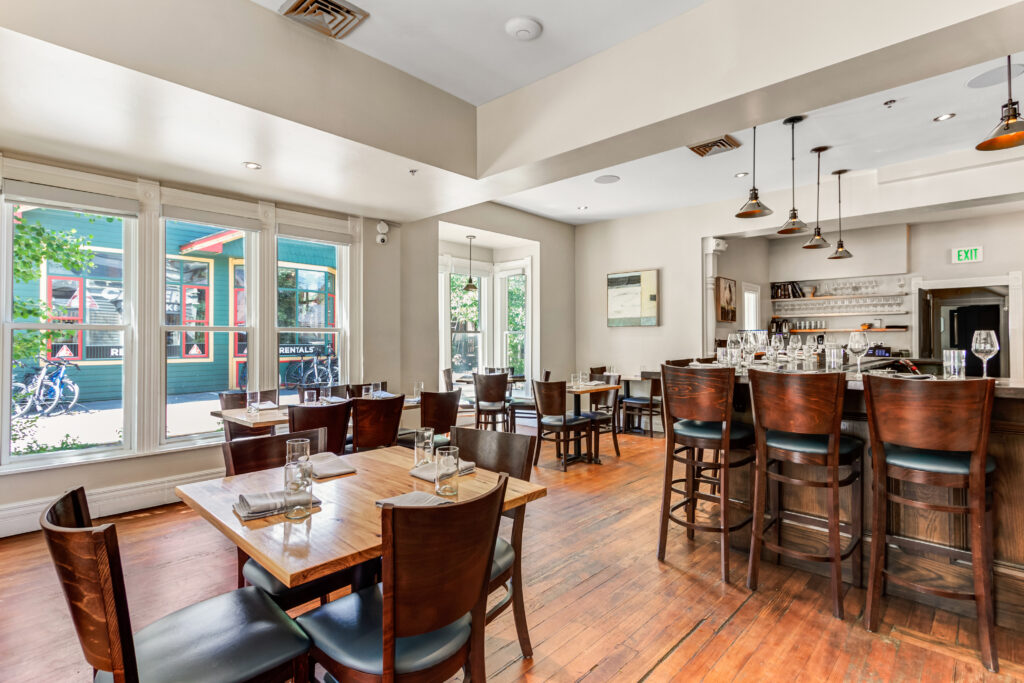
(23, 516)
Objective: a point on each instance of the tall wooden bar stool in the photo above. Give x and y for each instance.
(796, 421)
(526, 405)
(935, 434)
(644, 406)
(698, 407)
(491, 401)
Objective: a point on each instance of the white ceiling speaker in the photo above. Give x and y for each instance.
(523, 28)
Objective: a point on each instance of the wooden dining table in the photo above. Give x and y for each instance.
(577, 410)
(344, 530)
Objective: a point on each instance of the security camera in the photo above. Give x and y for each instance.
(382, 238)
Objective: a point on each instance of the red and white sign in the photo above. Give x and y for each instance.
(64, 352)
(195, 350)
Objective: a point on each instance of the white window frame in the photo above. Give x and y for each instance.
(501, 272)
(750, 288)
(482, 273)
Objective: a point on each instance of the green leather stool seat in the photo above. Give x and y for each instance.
(563, 420)
(230, 638)
(493, 405)
(349, 631)
(409, 440)
(522, 402)
(812, 443)
(641, 400)
(597, 416)
(939, 462)
(504, 557)
(739, 432)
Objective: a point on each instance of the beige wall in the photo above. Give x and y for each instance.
(746, 261)
(382, 278)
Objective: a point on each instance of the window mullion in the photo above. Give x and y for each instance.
(146, 300)
(6, 283)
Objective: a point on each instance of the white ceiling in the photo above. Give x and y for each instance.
(461, 46)
(453, 232)
(863, 134)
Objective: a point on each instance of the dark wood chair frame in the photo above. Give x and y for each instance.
(449, 383)
(511, 454)
(230, 400)
(334, 417)
(375, 422)
(599, 370)
(530, 411)
(649, 409)
(356, 390)
(945, 416)
(605, 402)
(88, 563)
(703, 394)
(804, 404)
(440, 409)
(550, 398)
(491, 388)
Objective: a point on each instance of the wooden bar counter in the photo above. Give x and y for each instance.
(927, 530)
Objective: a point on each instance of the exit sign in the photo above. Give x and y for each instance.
(967, 255)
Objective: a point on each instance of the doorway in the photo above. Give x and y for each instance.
(949, 318)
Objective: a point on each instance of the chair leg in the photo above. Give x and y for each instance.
(834, 547)
(981, 562)
(596, 436)
(666, 498)
(857, 521)
(775, 506)
(302, 669)
(615, 434)
(536, 452)
(691, 488)
(650, 422)
(476, 645)
(519, 610)
(242, 559)
(757, 524)
(876, 578)
(723, 513)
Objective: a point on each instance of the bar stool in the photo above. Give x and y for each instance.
(698, 406)
(491, 401)
(936, 434)
(649, 405)
(797, 420)
(525, 405)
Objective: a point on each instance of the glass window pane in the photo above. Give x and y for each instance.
(515, 302)
(465, 352)
(239, 276)
(195, 272)
(66, 298)
(307, 359)
(204, 267)
(57, 407)
(307, 283)
(104, 301)
(199, 366)
(465, 308)
(311, 310)
(515, 352)
(195, 305)
(312, 280)
(286, 277)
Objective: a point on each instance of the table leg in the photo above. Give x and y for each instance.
(576, 410)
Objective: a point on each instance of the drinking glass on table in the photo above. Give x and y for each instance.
(325, 394)
(778, 343)
(252, 402)
(749, 347)
(417, 389)
(298, 486)
(733, 344)
(446, 471)
(375, 390)
(794, 344)
(858, 346)
(722, 355)
(296, 450)
(984, 345)
(423, 446)
(367, 391)
(954, 363)
(309, 397)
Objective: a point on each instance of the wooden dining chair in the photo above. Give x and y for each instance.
(333, 417)
(644, 406)
(511, 454)
(425, 621)
(598, 370)
(375, 422)
(237, 636)
(604, 417)
(230, 400)
(252, 455)
(438, 410)
(525, 405)
(449, 382)
(555, 425)
(356, 390)
(491, 400)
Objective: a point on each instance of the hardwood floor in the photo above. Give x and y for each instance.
(600, 606)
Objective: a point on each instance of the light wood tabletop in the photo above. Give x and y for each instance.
(273, 416)
(592, 388)
(345, 529)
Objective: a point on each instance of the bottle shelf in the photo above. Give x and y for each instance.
(874, 314)
(834, 297)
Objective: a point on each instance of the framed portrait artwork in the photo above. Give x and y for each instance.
(725, 300)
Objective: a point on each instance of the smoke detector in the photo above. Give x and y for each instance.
(523, 28)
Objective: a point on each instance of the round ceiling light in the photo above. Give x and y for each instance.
(523, 28)
(582, 207)
(741, 174)
(607, 179)
(252, 165)
(944, 117)
(996, 76)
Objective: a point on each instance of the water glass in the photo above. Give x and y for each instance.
(298, 484)
(722, 355)
(417, 389)
(446, 471)
(984, 345)
(954, 363)
(574, 380)
(252, 402)
(733, 345)
(375, 390)
(309, 397)
(325, 394)
(833, 356)
(296, 450)
(423, 451)
(367, 391)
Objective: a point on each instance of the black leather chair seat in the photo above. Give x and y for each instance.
(493, 405)
(563, 420)
(287, 597)
(504, 557)
(739, 432)
(409, 440)
(349, 631)
(938, 462)
(597, 416)
(522, 402)
(231, 637)
(641, 400)
(812, 443)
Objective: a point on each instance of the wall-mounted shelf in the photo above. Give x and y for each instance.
(870, 329)
(834, 297)
(876, 314)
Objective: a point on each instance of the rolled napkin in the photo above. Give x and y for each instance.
(414, 499)
(266, 405)
(252, 506)
(426, 470)
(326, 464)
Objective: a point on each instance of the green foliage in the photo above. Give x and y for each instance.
(24, 441)
(465, 305)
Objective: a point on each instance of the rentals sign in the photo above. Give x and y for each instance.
(966, 255)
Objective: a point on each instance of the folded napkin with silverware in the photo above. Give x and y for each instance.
(427, 470)
(336, 399)
(266, 405)
(252, 506)
(415, 499)
(326, 464)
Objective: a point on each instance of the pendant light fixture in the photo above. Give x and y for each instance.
(754, 208)
(794, 225)
(817, 241)
(841, 251)
(470, 286)
(1010, 131)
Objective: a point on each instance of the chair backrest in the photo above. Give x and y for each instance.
(490, 388)
(436, 565)
(654, 376)
(605, 399)
(333, 417)
(498, 371)
(236, 399)
(549, 397)
(546, 375)
(336, 390)
(598, 370)
(375, 421)
(799, 403)
(440, 409)
(678, 363)
(697, 393)
(262, 453)
(504, 452)
(88, 564)
(449, 383)
(945, 416)
(356, 390)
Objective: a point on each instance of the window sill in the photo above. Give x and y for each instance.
(55, 461)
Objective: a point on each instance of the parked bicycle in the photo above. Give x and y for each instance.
(316, 370)
(50, 393)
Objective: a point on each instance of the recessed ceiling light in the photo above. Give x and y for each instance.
(523, 28)
(944, 117)
(252, 165)
(582, 207)
(741, 174)
(888, 104)
(607, 179)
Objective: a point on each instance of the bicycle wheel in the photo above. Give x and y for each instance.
(316, 374)
(293, 375)
(48, 398)
(68, 397)
(21, 399)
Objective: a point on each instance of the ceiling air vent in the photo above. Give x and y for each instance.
(716, 146)
(331, 17)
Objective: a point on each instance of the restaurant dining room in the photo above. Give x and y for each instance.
(517, 341)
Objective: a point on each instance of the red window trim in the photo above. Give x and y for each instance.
(81, 297)
(238, 323)
(78, 341)
(184, 345)
(184, 305)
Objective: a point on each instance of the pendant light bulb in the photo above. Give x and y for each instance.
(470, 287)
(793, 225)
(817, 241)
(841, 251)
(1010, 131)
(754, 208)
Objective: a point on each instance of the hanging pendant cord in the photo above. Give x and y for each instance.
(792, 163)
(471, 261)
(753, 174)
(839, 179)
(817, 202)
(1009, 79)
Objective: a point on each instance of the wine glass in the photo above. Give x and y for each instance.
(985, 345)
(749, 347)
(794, 344)
(858, 346)
(733, 344)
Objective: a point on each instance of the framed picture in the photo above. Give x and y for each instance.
(633, 299)
(725, 300)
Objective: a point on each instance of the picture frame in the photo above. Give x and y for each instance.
(725, 300)
(632, 299)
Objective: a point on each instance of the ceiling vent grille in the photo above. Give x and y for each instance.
(716, 146)
(330, 17)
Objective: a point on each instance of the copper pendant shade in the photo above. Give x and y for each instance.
(793, 225)
(1010, 131)
(817, 241)
(470, 286)
(754, 208)
(841, 251)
